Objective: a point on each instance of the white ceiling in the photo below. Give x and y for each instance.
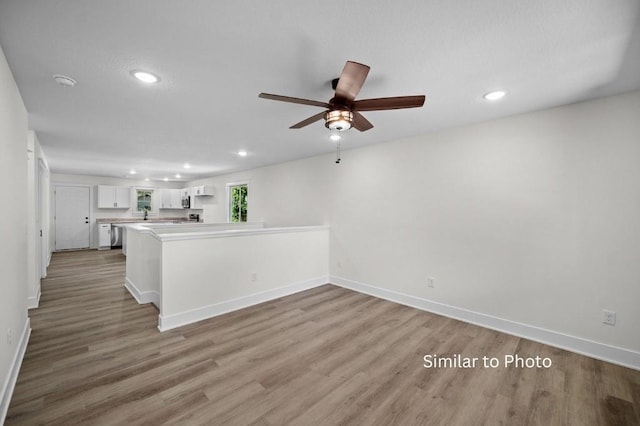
(215, 57)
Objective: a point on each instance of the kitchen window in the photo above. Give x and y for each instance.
(237, 195)
(144, 200)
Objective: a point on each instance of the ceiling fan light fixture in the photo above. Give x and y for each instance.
(338, 120)
(334, 135)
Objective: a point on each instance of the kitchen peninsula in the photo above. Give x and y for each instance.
(196, 271)
(177, 219)
(111, 231)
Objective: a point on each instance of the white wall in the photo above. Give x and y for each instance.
(144, 254)
(288, 194)
(204, 276)
(96, 213)
(13, 231)
(531, 219)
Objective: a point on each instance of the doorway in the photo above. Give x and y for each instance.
(43, 216)
(72, 205)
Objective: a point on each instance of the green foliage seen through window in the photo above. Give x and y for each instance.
(238, 203)
(144, 200)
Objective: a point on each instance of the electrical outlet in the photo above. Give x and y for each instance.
(9, 336)
(608, 317)
(253, 276)
(431, 282)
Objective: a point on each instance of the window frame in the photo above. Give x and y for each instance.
(229, 186)
(154, 203)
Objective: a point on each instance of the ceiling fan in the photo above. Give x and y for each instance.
(343, 110)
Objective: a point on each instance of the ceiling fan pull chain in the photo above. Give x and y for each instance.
(338, 153)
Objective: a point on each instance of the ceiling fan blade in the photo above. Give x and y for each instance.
(293, 100)
(351, 80)
(309, 120)
(361, 123)
(398, 102)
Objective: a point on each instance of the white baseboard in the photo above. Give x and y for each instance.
(601, 351)
(167, 322)
(34, 302)
(10, 381)
(49, 258)
(142, 297)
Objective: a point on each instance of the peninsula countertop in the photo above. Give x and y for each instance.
(141, 220)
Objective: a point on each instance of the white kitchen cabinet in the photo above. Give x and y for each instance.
(199, 194)
(196, 202)
(123, 197)
(185, 192)
(114, 197)
(170, 198)
(104, 236)
(176, 198)
(202, 190)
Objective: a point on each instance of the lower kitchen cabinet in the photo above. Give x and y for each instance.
(104, 236)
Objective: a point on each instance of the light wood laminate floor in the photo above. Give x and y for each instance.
(324, 356)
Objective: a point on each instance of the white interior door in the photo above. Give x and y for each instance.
(43, 216)
(72, 217)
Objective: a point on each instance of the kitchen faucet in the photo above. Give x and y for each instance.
(145, 215)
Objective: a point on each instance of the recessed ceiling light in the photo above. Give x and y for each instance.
(146, 179)
(187, 165)
(132, 172)
(495, 95)
(242, 153)
(145, 77)
(64, 80)
(165, 179)
(178, 175)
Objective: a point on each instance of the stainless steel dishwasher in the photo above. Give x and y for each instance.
(116, 235)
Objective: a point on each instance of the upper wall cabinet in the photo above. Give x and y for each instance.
(114, 197)
(170, 198)
(203, 190)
